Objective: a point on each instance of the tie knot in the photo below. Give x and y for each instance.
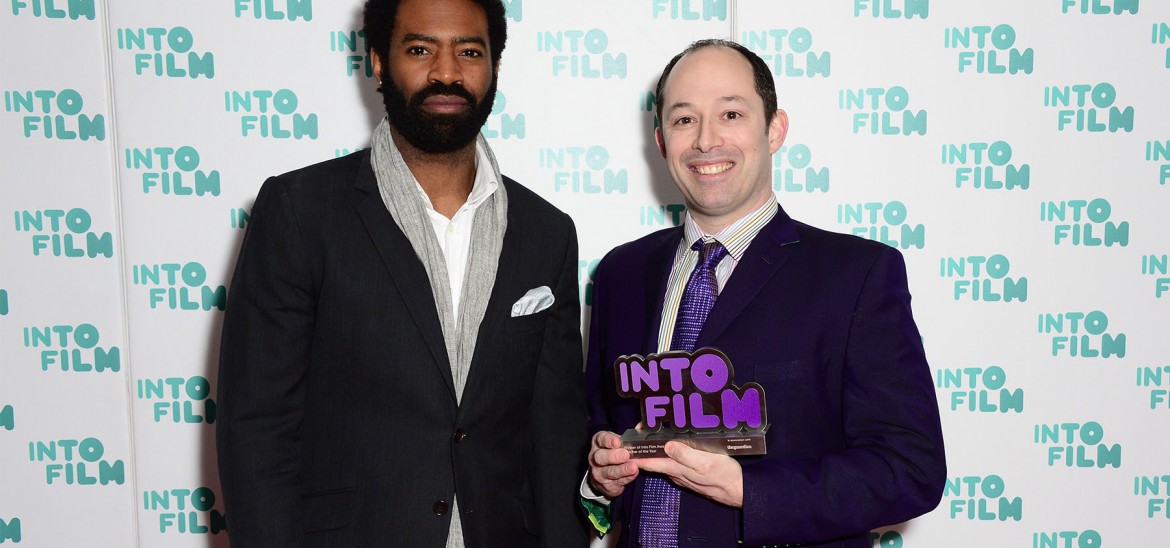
(710, 252)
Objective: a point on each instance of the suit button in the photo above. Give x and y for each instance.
(459, 435)
(440, 507)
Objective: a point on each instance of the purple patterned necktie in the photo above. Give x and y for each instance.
(660, 498)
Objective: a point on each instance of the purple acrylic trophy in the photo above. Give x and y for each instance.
(690, 397)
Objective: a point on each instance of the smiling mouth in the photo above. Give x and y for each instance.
(712, 169)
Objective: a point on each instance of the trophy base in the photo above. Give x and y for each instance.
(642, 444)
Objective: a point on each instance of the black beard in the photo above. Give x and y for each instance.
(436, 133)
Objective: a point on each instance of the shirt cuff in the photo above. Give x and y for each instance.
(596, 506)
(588, 493)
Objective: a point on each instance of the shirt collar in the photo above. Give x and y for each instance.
(483, 186)
(737, 236)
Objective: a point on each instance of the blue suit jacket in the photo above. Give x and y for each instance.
(822, 321)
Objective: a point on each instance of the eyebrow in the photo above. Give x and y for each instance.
(415, 37)
(724, 99)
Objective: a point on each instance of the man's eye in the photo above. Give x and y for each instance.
(416, 50)
(683, 120)
(473, 53)
(734, 115)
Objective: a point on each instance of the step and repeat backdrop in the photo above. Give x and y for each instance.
(1017, 153)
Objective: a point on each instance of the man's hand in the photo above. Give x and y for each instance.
(610, 468)
(717, 477)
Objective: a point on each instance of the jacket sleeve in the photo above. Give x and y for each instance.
(264, 354)
(558, 411)
(892, 466)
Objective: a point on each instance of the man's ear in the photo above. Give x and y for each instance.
(377, 61)
(777, 130)
(661, 142)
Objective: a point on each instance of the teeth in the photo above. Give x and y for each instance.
(712, 169)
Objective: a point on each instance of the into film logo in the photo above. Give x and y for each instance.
(689, 10)
(176, 286)
(1156, 266)
(73, 9)
(1085, 223)
(7, 417)
(10, 530)
(1076, 445)
(55, 114)
(1099, 7)
(179, 400)
(172, 171)
(64, 233)
(980, 390)
(788, 53)
(503, 125)
(77, 462)
(793, 170)
(885, 539)
(581, 54)
(989, 50)
(583, 170)
(983, 278)
(662, 215)
(1067, 539)
(166, 52)
(981, 498)
(1156, 492)
(1159, 151)
(73, 348)
(585, 272)
(274, 10)
(883, 111)
(891, 9)
(882, 222)
(1157, 380)
(1086, 336)
(185, 511)
(1088, 108)
(239, 217)
(276, 114)
(514, 10)
(1161, 35)
(984, 165)
(357, 51)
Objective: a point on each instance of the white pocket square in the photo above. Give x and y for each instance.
(537, 299)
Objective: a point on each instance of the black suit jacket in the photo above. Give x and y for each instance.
(338, 422)
(822, 321)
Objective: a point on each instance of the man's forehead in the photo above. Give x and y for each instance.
(433, 17)
(716, 72)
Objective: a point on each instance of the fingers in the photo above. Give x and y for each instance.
(688, 456)
(606, 440)
(610, 469)
(607, 451)
(662, 465)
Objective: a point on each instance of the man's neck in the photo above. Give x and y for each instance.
(446, 177)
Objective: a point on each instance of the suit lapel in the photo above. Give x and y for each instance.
(512, 255)
(770, 249)
(407, 273)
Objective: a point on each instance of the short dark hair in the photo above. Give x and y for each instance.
(379, 17)
(765, 85)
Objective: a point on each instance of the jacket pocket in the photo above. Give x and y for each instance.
(526, 324)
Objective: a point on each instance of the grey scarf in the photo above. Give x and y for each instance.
(399, 191)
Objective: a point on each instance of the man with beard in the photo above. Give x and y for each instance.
(401, 355)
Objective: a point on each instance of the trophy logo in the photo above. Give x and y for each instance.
(690, 397)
